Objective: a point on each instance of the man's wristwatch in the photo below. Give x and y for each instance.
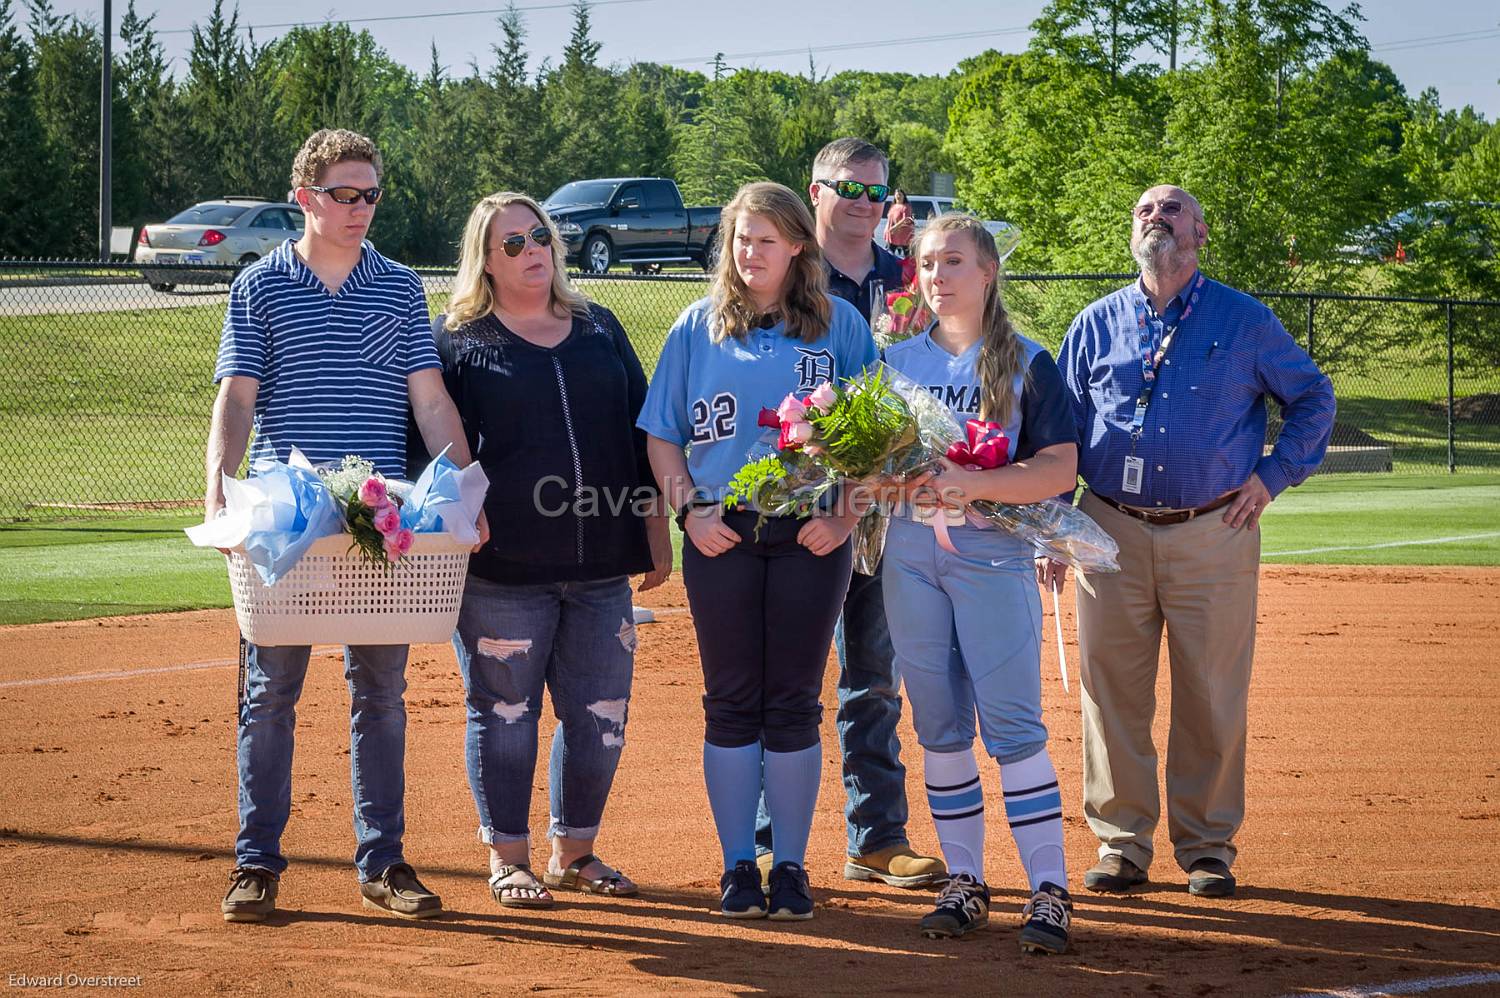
(688, 507)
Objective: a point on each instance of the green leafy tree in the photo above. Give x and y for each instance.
(713, 153)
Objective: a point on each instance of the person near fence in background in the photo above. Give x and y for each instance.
(847, 191)
(973, 587)
(325, 342)
(1168, 379)
(549, 389)
(764, 595)
(899, 225)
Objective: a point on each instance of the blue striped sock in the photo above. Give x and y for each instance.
(1033, 807)
(957, 803)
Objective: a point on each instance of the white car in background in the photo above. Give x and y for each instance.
(926, 207)
(226, 232)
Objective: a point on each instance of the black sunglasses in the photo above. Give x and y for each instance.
(349, 195)
(513, 245)
(853, 189)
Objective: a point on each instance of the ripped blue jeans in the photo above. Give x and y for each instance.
(579, 639)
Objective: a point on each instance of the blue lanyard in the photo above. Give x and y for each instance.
(1152, 355)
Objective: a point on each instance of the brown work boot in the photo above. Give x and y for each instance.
(898, 866)
(1114, 874)
(398, 892)
(252, 895)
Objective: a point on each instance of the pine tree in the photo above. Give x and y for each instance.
(23, 167)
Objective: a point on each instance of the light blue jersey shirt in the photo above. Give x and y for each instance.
(707, 396)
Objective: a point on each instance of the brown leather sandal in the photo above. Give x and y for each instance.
(572, 879)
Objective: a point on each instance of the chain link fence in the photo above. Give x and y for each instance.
(106, 390)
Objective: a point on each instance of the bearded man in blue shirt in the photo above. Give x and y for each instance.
(1169, 378)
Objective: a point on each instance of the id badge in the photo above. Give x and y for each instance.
(1135, 470)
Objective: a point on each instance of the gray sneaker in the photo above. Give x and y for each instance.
(252, 895)
(398, 892)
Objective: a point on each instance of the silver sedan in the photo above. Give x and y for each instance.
(226, 232)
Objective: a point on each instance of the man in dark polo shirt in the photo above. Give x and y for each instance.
(848, 192)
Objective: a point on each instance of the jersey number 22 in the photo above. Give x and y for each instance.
(713, 420)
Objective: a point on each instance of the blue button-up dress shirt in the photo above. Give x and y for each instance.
(1204, 432)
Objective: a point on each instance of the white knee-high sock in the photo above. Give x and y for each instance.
(1033, 807)
(957, 803)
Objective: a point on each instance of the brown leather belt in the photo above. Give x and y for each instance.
(1166, 519)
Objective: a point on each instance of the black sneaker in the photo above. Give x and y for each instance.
(742, 894)
(791, 895)
(251, 897)
(962, 907)
(1047, 917)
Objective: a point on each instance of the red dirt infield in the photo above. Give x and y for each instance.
(1368, 860)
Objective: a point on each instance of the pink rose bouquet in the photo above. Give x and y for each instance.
(372, 513)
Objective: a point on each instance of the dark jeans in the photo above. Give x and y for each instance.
(764, 612)
(869, 708)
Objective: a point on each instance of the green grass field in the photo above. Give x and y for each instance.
(66, 570)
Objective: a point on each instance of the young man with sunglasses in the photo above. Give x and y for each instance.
(848, 191)
(1168, 379)
(324, 343)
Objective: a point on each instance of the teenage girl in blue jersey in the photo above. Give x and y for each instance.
(981, 597)
(764, 602)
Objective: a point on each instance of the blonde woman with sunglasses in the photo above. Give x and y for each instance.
(549, 388)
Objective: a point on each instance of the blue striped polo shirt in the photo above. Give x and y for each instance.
(332, 367)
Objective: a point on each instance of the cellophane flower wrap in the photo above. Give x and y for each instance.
(277, 513)
(882, 427)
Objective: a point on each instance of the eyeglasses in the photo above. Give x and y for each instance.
(513, 245)
(349, 195)
(1170, 208)
(851, 190)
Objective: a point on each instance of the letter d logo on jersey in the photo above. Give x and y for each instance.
(813, 368)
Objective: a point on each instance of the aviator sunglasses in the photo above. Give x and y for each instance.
(349, 195)
(852, 189)
(513, 245)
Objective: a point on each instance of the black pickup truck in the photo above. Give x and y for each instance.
(636, 220)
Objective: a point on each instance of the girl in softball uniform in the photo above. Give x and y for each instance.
(963, 606)
(764, 601)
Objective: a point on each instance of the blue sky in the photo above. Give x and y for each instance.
(1453, 45)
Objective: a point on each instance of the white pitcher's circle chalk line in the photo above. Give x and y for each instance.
(216, 663)
(1417, 987)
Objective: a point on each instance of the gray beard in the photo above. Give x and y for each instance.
(1158, 253)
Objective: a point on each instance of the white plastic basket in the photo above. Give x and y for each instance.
(333, 596)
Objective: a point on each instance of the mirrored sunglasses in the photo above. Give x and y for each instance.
(853, 189)
(349, 195)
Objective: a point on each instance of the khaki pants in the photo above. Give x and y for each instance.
(1199, 578)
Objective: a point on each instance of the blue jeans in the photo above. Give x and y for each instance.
(577, 638)
(869, 708)
(376, 675)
